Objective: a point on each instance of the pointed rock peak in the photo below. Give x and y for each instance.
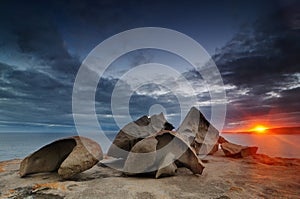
(159, 117)
(158, 121)
(195, 113)
(194, 109)
(197, 130)
(162, 116)
(143, 121)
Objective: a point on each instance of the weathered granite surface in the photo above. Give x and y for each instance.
(135, 131)
(198, 132)
(257, 176)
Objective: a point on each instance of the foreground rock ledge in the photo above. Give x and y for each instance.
(68, 156)
(222, 178)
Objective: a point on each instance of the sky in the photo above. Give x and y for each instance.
(254, 44)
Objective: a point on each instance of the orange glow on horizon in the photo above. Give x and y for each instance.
(259, 129)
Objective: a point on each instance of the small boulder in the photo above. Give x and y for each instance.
(237, 151)
(68, 156)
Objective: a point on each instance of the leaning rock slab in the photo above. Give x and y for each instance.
(135, 131)
(237, 151)
(198, 132)
(68, 156)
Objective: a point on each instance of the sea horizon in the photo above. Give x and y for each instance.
(18, 145)
(276, 130)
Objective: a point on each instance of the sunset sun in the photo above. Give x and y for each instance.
(259, 129)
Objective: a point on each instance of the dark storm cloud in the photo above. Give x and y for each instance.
(41, 39)
(36, 35)
(39, 84)
(262, 61)
(32, 96)
(37, 71)
(43, 43)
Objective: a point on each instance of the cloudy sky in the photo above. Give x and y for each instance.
(254, 44)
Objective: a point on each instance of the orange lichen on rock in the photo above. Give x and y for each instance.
(235, 189)
(2, 165)
(1, 169)
(9, 194)
(12, 191)
(49, 185)
(7, 163)
(276, 161)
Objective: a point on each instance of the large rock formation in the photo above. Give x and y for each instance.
(68, 156)
(135, 131)
(161, 154)
(198, 132)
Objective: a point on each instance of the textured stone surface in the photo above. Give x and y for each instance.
(48, 158)
(256, 176)
(68, 156)
(222, 140)
(135, 131)
(154, 154)
(142, 156)
(84, 156)
(167, 169)
(170, 141)
(198, 132)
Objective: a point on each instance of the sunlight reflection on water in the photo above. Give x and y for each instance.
(272, 145)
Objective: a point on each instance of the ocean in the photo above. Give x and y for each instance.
(19, 145)
(274, 145)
